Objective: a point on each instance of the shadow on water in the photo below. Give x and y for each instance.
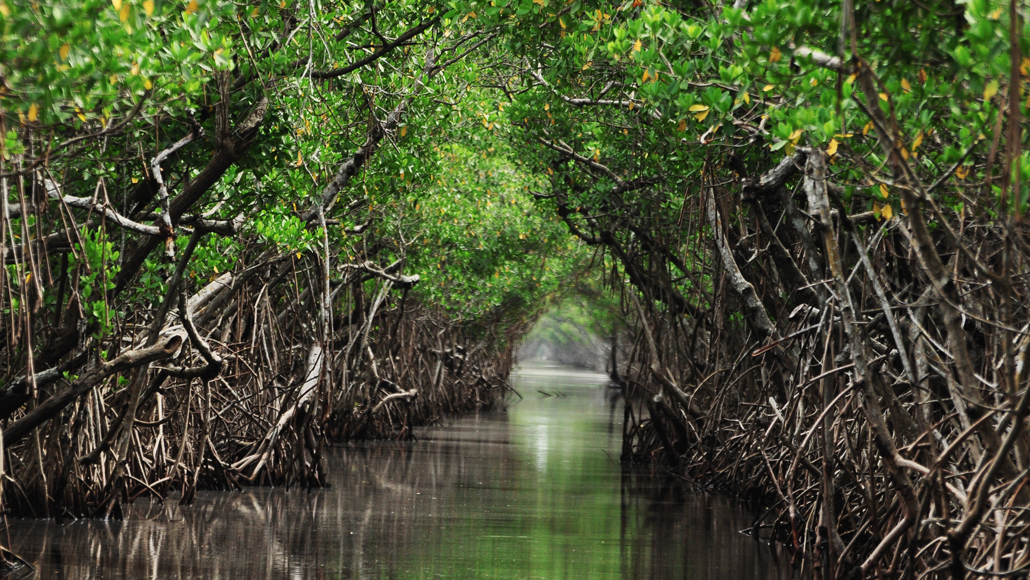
(534, 492)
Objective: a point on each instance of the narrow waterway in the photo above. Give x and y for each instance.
(533, 492)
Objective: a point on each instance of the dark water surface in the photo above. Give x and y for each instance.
(534, 492)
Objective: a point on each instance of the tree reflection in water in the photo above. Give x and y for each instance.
(534, 492)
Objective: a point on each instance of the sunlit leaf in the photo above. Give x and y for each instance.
(990, 90)
(917, 141)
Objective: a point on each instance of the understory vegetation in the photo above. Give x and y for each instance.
(233, 234)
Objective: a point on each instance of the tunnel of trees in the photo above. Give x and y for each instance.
(235, 233)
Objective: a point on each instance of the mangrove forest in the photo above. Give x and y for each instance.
(237, 235)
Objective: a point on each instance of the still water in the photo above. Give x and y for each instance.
(531, 493)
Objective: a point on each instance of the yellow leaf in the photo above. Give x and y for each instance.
(814, 82)
(883, 190)
(63, 51)
(547, 106)
(904, 153)
(431, 9)
(698, 108)
(681, 127)
(192, 6)
(404, 130)
(747, 98)
(33, 112)
(135, 180)
(550, 171)
(917, 141)
(117, 4)
(300, 159)
(147, 84)
(831, 149)
(631, 103)
(905, 85)
(961, 172)
(123, 14)
(646, 76)
(587, 65)
(876, 210)
(597, 155)
(851, 79)
(625, 131)
(774, 54)
(883, 97)
(990, 90)
(701, 116)
(767, 88)
(148, 7)
(82, 117)
(868, 126)
(4, 9)
(887, 212)
(636, 46)
(562, 23)
(922, 76)
(796, 136)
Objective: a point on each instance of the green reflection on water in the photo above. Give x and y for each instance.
(554, 504)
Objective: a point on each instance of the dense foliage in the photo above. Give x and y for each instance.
(811, 213)
(232, 233)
